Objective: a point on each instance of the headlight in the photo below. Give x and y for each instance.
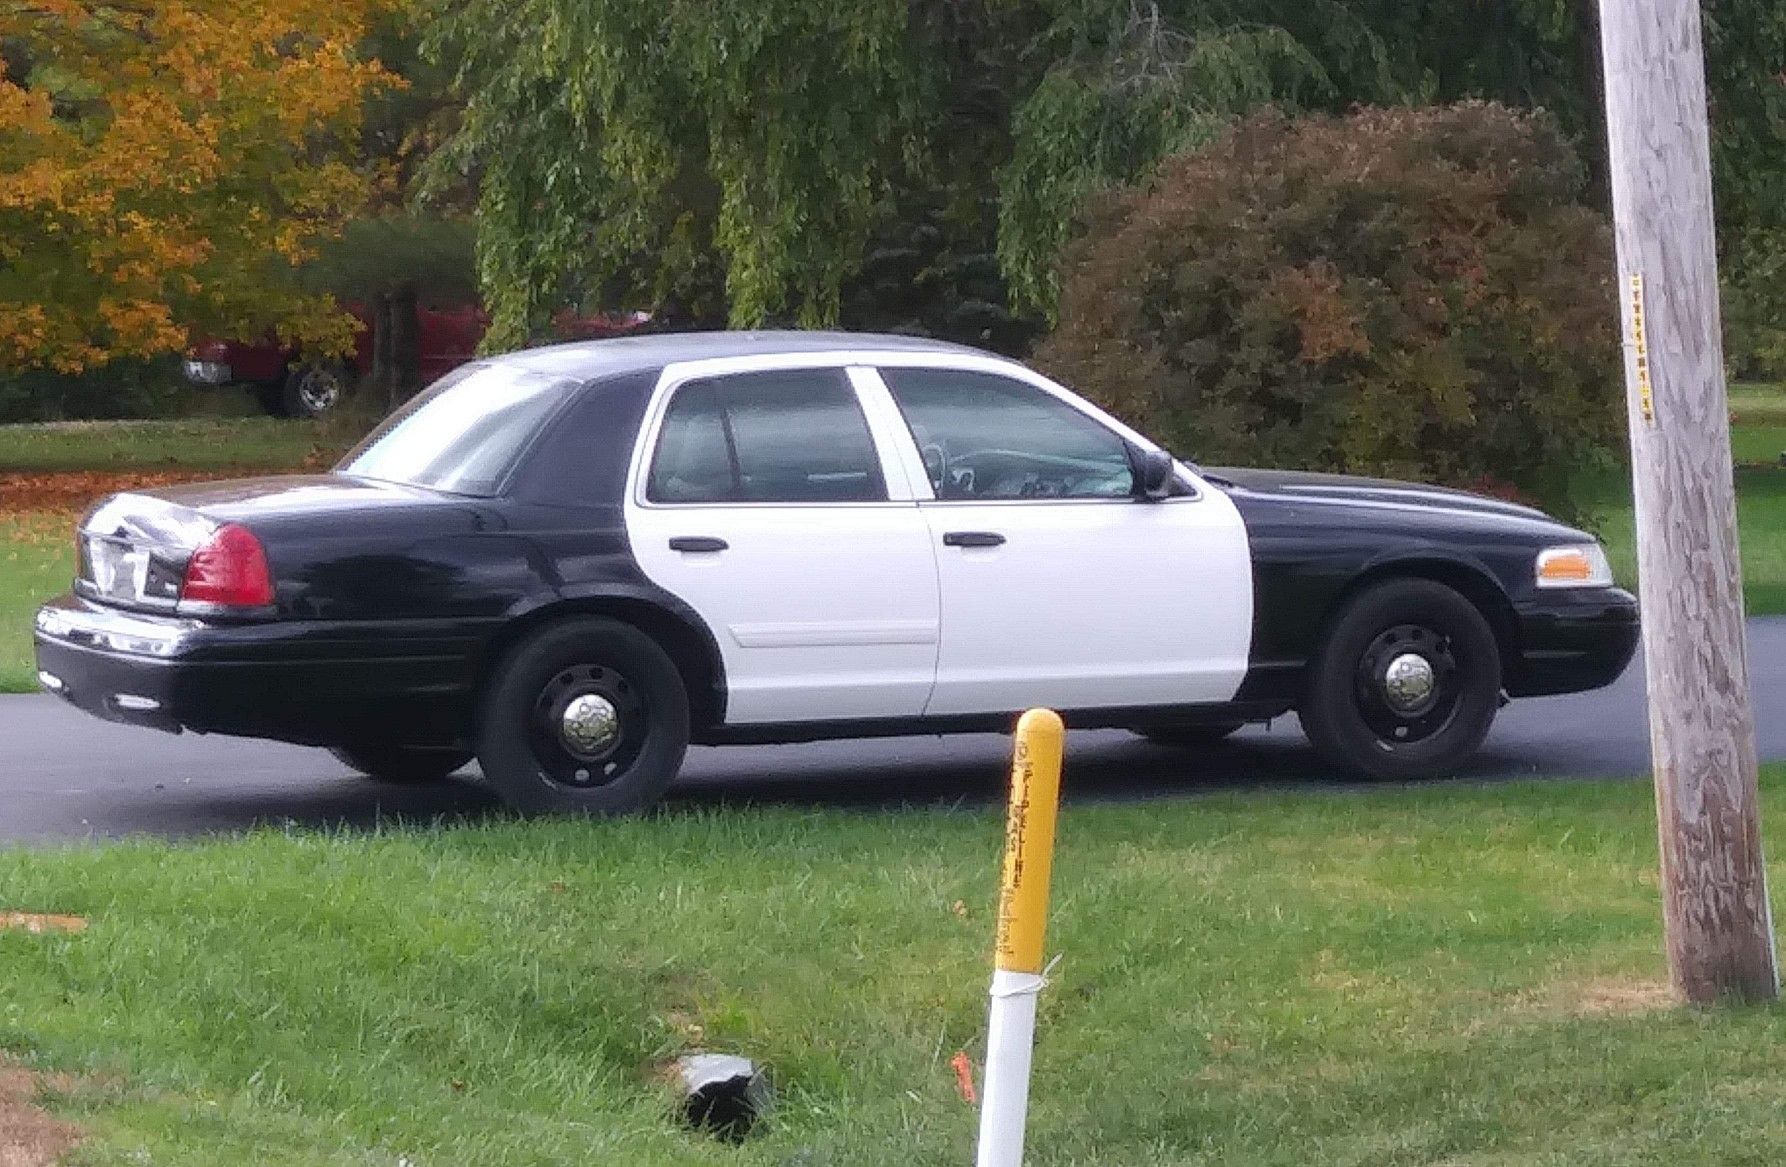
(1583, 566)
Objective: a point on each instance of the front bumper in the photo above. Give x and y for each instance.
(1572, 640)
(285, 680)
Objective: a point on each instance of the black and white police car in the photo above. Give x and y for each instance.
(574, 561)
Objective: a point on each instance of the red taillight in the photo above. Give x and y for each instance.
(230, 569)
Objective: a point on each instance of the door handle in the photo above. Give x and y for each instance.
(972, 539)
(697, 543)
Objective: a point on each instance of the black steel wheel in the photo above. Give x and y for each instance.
(586, 716)
(1406, 684)
(402, 764)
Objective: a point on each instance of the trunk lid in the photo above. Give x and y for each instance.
(134, 547)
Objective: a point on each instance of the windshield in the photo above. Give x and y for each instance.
(462, 434)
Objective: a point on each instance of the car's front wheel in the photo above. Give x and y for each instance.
(585, 716)
(1407, 683)
(402, 764)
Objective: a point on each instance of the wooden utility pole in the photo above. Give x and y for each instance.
(1716, 920)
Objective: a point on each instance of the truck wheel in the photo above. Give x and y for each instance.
(1406, 684)
(401, 764)
(585, 716)
(313, 388)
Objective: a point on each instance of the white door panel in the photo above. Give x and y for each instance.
(821, 612)
(1089, 604)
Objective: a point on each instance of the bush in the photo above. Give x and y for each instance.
(1416, 293)
(123, 388)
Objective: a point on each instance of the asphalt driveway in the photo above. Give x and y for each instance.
(66, 776)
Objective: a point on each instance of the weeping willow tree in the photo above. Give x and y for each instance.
(761, 161)
(1129, 87)
(726, 156)
(734, 158)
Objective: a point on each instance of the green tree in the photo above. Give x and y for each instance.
(665, 147)
(165, 166)
(756, 161)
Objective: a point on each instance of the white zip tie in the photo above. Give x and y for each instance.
(1032, 988)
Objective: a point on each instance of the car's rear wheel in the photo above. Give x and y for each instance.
(402, 764)
(585, 716)
(1406, 684)
(1189, 735)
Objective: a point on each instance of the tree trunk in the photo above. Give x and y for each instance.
(406, 358)
(382, 378)
(1593, 110)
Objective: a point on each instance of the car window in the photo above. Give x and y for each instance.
(462, 434)
(983, 436)
(786, 436)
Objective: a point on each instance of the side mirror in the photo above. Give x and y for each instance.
(1154, 472)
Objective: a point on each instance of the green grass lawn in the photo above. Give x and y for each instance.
(1761, 518)
(1758, 436)
(36, 562)
(196, 444)
(1457, 974)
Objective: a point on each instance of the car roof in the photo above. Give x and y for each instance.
(592, 359)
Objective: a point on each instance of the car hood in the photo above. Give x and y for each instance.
(1303, 486)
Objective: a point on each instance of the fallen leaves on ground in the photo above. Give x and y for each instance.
(37, 530)
(78, 489)
(40, 922)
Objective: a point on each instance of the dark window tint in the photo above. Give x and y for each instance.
(794, 436)
(462, 434)
(989, 437)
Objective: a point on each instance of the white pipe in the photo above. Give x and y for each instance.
(1010, 1039)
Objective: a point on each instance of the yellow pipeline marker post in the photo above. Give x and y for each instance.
(1022, 919)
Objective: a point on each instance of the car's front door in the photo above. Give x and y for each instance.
(1059, 587)
(763, 502)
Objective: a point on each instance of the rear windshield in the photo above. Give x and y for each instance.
(463, 433)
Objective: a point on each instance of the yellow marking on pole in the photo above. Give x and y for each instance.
(1646, 404)
(1029, 841)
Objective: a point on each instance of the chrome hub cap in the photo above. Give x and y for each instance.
(1407, 685)
(589, 725)
(1408, 682)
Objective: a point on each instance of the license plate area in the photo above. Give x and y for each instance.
(129, 573)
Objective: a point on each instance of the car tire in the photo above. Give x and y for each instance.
(405, 765)
(313, 388)
(1187, 736)
(585, 716)
(1406, 684)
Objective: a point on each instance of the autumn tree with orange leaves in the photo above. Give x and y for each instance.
(165, 165)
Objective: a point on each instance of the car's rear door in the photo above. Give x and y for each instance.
(764, 501)
(1059, 587)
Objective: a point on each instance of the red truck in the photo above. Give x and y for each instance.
(290, 385)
